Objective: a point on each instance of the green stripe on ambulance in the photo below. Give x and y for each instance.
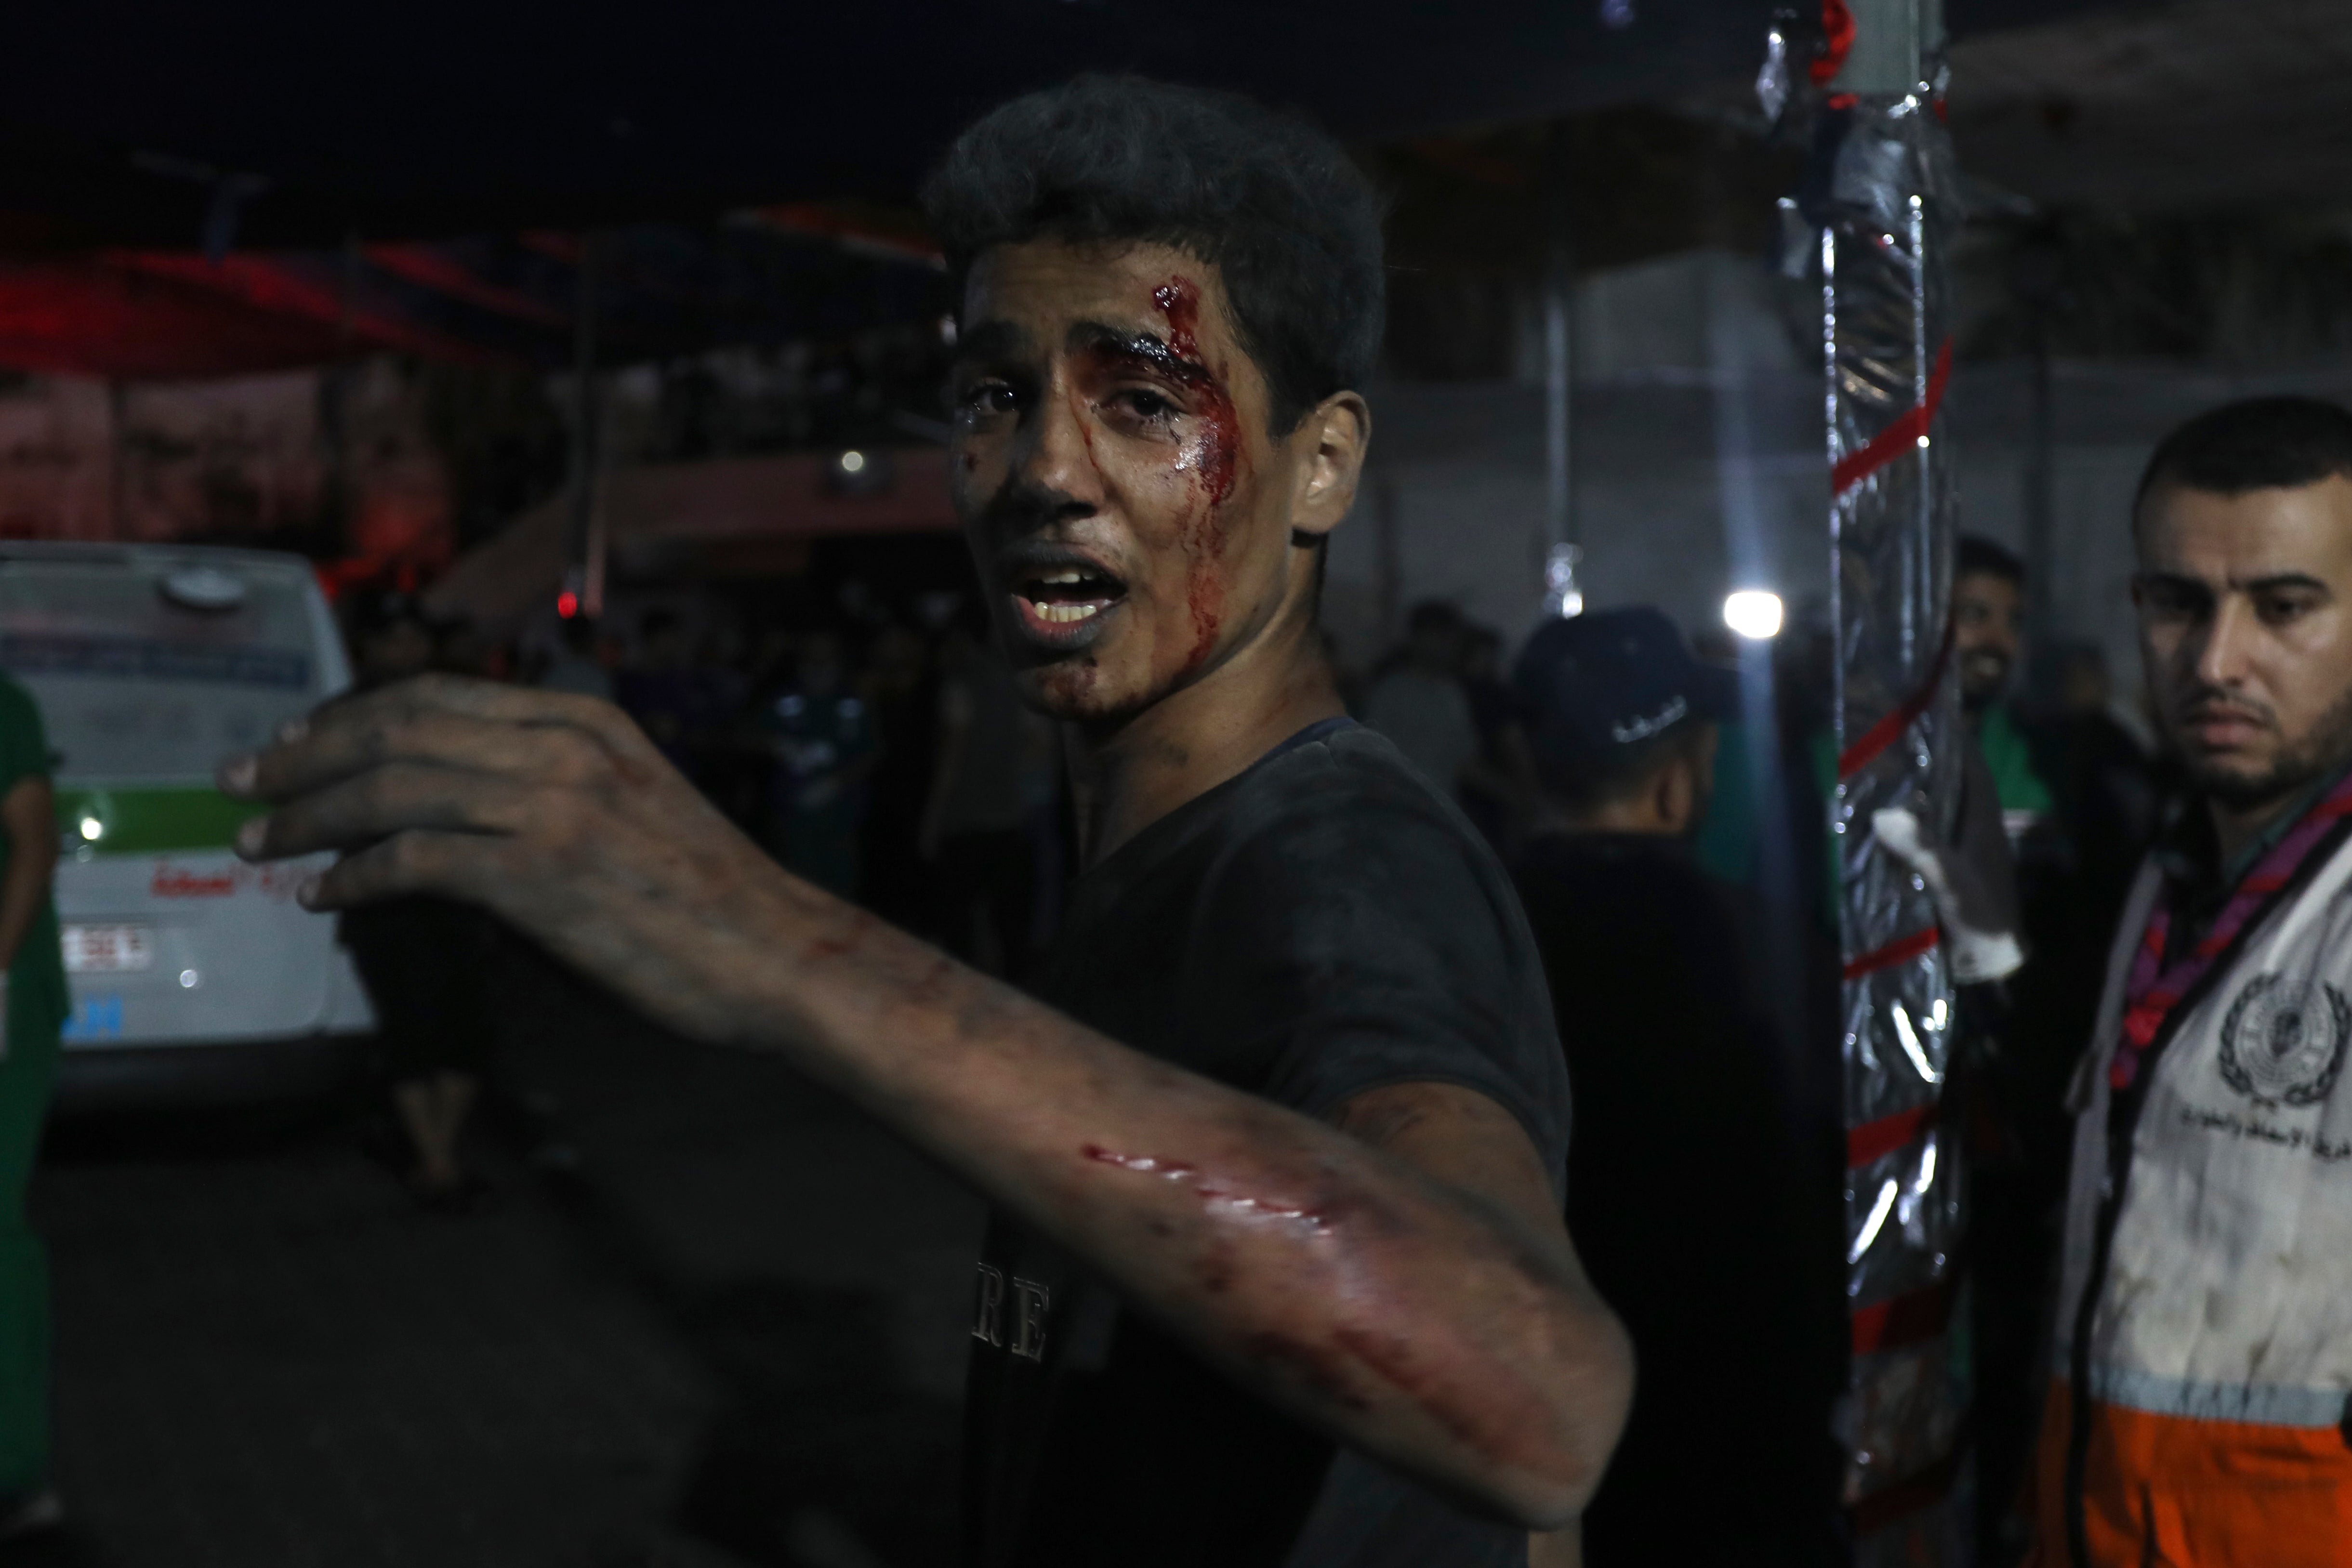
(144, 821)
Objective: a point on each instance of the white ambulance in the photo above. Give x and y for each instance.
(194, 975)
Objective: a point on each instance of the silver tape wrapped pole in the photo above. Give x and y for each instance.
(1882, 192)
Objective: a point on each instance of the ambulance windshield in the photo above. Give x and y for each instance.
(135, 685)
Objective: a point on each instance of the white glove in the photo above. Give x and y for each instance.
(1979, 945)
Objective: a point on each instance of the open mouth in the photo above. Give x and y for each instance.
(1057, 601)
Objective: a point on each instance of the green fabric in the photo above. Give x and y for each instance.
(1726, 842)
(38, 1004)
(2006, 753)
(1822, 752)
(26, 1075)
(38, 999)
(150, 822)
(823, 737)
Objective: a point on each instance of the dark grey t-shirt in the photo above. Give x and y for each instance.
(1323, 924)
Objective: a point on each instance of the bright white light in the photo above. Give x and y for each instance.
(188, 978)
(91, 827)
(853, 462)
(1753, 614)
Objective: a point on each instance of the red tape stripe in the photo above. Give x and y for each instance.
(1901, 950)
(1876, 1140)
(1889, 729)
(1903, 435)
(1905, 1320)
(1852, 470)
(1837, 42)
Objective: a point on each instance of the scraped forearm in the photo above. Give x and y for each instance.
(1425, 1323)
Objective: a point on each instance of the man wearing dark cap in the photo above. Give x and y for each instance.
(1708, 1221)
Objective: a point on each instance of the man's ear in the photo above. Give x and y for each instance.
(1332, 439)
(1674, 795)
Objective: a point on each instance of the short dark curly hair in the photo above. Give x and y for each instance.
(1272, 201)
(1973, 555)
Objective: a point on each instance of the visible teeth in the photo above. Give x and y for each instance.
(1060, 577)
(1062, 613)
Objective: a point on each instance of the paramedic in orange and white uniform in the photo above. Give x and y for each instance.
(2196, 1414)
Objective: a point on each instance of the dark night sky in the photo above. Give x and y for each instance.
(437, 115)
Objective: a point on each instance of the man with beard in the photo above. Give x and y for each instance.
(2198, 1414)
(1278, 1273)
(1988, 630)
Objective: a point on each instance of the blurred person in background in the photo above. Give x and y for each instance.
(682, 704)
(2103, 782)
(820, 736)
(577, 664)
(1702, 1190)
(991, 769)
(461, 649)
(33, 1012)
(1497, 787)
(1988, 640)
(1419, 702)
(901, 688)
(2075, 848)
(426, 963)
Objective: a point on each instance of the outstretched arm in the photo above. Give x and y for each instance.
(1402, 1280)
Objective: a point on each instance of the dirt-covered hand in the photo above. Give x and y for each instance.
(552, 811)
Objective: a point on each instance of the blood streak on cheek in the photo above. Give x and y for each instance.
(1216, 457)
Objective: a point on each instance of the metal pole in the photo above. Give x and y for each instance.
(1559, 416)
(583, 578)
(1888, 210)
(2037, 281)
(1561, 547)
(2040, 478)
